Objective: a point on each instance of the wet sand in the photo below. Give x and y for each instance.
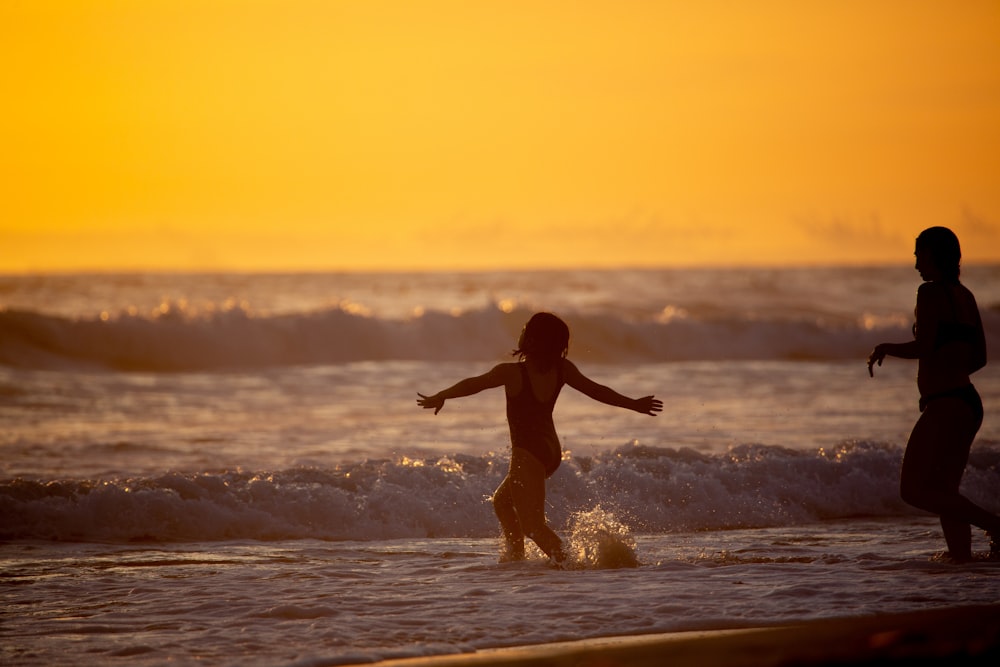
(953, 636)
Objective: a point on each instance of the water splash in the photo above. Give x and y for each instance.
(600, 541)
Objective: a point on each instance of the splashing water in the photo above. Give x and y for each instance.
(599, 541)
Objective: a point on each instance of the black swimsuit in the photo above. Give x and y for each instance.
(531, 426)
(955, 332)
(966, 394)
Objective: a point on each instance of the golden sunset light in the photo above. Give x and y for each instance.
(354, 135)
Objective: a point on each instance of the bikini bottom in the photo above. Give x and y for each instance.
(967, 394)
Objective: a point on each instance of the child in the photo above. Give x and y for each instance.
(532, 385)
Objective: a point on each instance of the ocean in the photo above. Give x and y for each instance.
(232, 469)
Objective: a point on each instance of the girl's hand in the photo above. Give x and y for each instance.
(430, 402)
(876, 357)
(648, 405)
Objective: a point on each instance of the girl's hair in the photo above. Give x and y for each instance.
(946, 253)
(545, 338)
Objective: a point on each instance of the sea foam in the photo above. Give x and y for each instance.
(600, 501)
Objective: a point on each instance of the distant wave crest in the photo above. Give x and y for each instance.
(175, 340)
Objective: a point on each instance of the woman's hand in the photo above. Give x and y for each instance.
(430, 402)
(876, 357)
(648, 405)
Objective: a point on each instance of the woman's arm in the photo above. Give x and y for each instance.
(928, 318)
(495, 377)
(883, 350)
(646, 405)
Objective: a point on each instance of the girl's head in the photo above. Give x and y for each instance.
(941, 246)
(545, 338)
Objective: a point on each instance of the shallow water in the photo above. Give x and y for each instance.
(308, 602)
(232, 469)
(106, 424)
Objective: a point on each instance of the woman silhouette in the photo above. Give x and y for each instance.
(949, 345)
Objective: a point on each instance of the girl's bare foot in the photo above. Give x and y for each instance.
(512, 553)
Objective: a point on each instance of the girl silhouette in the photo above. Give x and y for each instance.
(532, 385)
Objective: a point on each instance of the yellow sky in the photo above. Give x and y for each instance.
(366, 134)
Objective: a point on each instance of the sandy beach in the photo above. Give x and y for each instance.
(956, 636)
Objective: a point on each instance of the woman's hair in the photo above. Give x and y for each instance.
(545, 338)
(945, 251)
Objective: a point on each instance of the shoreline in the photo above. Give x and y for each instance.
(956, 635)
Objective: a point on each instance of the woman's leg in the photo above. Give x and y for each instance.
(933, 465)
(526, 484)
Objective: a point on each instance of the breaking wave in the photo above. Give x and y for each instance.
(649, 489)
(176, 340)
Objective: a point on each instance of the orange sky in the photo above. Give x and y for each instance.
(363, 134)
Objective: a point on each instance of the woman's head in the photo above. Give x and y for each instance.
(545, 338)
(942, 247)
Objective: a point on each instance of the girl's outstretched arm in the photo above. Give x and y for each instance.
(495, 377)
(647, 405)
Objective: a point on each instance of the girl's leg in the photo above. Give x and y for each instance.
(503, 505)
(527, 488)
(958, 537)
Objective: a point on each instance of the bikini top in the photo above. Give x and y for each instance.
(953, 331)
